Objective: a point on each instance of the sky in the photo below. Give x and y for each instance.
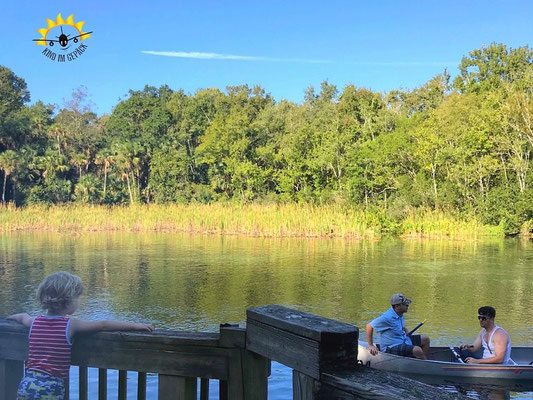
(283, 46)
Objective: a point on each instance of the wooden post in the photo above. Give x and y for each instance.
(305, 342)
(102, 384)
(141, 386)
(204, 389)
(304, 387)
(177, 388)
(122, 385)
(256, 370)
(248, 372)
(83, 383)
(11, 373)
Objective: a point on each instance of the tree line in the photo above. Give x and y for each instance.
(460, 145)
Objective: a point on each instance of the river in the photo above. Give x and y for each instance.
(195, 282)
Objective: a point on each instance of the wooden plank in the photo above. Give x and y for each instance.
(279, 342)
(177, 388)
(122, 385)
(231, 336)
(256, 370)
(8, 325)
(204, 389)
(248, 372)
(83, 382)
(14, 346)
(360, 382)
(141, 386)
(102, 384)
(160, 337)
(11, 373)
(235, 383)
(304, 387)
(172, 353)
(291, 350)
(157, 338)
(193, 361)
(303, 324)
(67, 389)
(223, 390)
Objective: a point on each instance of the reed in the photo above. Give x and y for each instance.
(438, 224)
(285, 220)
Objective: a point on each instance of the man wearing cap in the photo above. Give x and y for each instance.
(394, 337)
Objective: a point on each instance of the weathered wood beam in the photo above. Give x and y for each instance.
(361, 382)
(305, 342)
(248, 372)
(172, 353)
(102, 384)
(11, 373)
(177, 388)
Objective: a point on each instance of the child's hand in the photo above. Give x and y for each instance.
(143, 327)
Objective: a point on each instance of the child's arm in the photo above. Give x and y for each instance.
(78, 325)
(22, 318)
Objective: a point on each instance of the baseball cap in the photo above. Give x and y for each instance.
(399, 298)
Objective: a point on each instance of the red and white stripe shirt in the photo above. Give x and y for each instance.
(50, 346)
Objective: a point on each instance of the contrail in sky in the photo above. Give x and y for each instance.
(216, 56)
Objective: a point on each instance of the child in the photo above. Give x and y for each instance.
(51, 336)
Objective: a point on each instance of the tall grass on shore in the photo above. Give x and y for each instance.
(286, 220)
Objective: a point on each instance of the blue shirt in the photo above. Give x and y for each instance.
(390, 326)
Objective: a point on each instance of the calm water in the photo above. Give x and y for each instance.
(184, 282)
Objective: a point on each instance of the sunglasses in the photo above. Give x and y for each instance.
(482, 317)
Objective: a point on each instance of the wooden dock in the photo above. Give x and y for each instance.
(322, 353)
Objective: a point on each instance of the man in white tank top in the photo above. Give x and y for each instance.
(495, 340)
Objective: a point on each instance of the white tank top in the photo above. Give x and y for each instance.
(488, 348)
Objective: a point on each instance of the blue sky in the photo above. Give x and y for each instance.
(284, 46)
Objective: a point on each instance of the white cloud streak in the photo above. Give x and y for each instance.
(216, 56)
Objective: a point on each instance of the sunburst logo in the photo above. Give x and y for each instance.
(65, 33)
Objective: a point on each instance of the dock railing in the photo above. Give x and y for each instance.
(179, 359)
(322, 353)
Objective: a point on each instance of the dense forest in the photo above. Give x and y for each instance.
(461, 145)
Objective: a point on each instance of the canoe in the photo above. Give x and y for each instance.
(444, 368)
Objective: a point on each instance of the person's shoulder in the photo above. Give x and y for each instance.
(387, 312)
(502, 333)
(378, 318)
(386, 315)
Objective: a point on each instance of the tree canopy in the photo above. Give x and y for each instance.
(461, 145)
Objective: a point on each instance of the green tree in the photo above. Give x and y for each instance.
(8, 163)
(13, 92)
(491, 67)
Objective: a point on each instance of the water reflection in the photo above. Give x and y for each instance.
(488, 393)
(185, 282)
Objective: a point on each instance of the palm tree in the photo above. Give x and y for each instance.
(8, 163)
(104, 157)
(79, 160)
(127, 160)
(51, 164)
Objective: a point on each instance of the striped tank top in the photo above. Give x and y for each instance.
(49, 350)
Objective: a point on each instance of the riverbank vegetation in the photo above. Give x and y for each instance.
(450, 156)
(282, 220)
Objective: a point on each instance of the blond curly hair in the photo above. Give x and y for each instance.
(57, 290)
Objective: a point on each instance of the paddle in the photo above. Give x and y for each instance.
(456, 355)
(416, 327)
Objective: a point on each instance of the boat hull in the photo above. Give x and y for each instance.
(443, 369)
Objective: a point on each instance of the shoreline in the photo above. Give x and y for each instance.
(251, 220)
